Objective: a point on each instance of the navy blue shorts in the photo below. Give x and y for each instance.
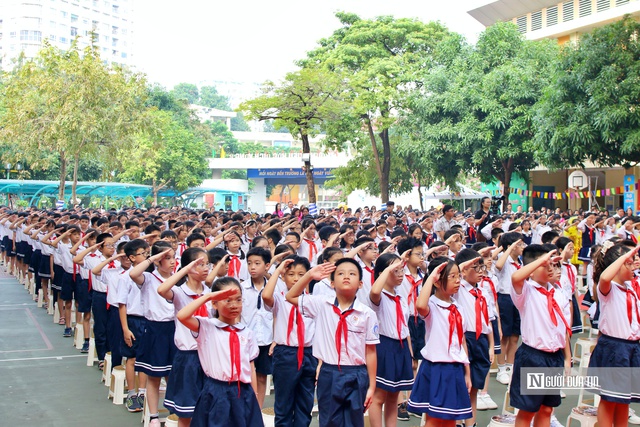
(497, 349)
(68, 287)
(529, 357)
(58, 274)
(226, 404)
(44, 269)
(264, 362)
(618, 385)
(185, 384)
(20, 250)
(394, 370)
(136, 326)
(440, 391)
(341, 393)
(157, 349)
(417, 332)
(479, 362)
(34, 262)
(509, 316)
(5, 244)
(84, 296)
(10, 252)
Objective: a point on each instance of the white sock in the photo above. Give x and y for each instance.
(502, 368)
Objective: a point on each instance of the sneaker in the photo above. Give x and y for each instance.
(132, 404)
(85, 348)
(633, 417)
(555, 422)
(403, 415)
(488, 401)
(503, 377)
(140, 398)
(413, 414)
(154, 423)
(481, 405)
(67, 332)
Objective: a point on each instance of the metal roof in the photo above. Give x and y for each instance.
(505, 10)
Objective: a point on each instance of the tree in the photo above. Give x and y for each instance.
(591, 110)
(187, 91)
(170, 156)
(71, 103)
(378, 59)
(209, 97)
(302, 102)
(239, 124)
(475, 113)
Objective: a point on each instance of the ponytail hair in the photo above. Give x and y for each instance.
(188, 256)
(606, 256)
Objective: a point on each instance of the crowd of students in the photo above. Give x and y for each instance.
(391, 312)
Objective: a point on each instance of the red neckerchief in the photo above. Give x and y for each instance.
(553, 307)
(295, 316)
(413, 292)
(234, 355)
(571, 276)
(312, 248)
(399, 315)
(481, 310)
(202, 310)
(428, 238)
(234, 265)
(591, 234)
(516, 265)
(492, 286)
(455, 322)
(342, 330)
(632, 300)
(472, 233)
(370, 270)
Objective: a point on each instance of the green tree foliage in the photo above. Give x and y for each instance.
(70, 103)
(378, 59)
(209, 97)
(302, 102)
(238, 123)
(591, 110)
(187, 92)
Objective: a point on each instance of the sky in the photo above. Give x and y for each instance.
(252, 41)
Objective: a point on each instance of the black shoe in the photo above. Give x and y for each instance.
(403, 415)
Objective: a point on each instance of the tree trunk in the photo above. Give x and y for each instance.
(386, 166)
(420, 193)
(75, 179)
(306, 149)
(508, 171)
(376, 158)
(63, 175)
(154, 188)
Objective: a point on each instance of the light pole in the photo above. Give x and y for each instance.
(7, 166)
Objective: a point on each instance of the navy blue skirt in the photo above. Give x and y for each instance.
(225, 404)
(616, 385)
(34, 262)
(529, 357)
(509, 316)
(5, 244)
(479, 362)
(136, 326)
(585, 254)
(417, 332)
(58, 273)
(185, 384)
(497, 349)
(157, 349)
(576, 324)
(394, 371)
(44, 269)
(440, 391)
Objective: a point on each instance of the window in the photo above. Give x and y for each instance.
(536, 20)
(521, 22)
(114, 31)
(124, 55)
(63, 40)
(74, 18)
(552, 16)
(584, 7)
(115, 9)
(12, 34)
(621, 2)
(567, 11)
(603, 5)
(53, 37)
(114, 42)
(74, 31)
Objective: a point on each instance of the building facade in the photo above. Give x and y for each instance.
(26, 24)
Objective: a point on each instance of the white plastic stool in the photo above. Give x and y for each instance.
(163, 413)
(106, 370)
(56, 313)
(40, 298)
(78, 337)
(117, 385)
(51, 307)
(172, 421)
(269, 381)
(92, 356)
(582, 347)
(268, 417)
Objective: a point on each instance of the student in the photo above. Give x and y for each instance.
(324, 287)
(157, 349)
(477, 327)
(186, 378)
(366, 253)
(292, 239)
(309, 245)
(394, 368)
(226, 349)
(64, 243)
(256, 316)
(445, 352)
(345, 339)
(568, 281)
(507, 264)
(237, 258)
(294, 366)
(546, 332)
(619, 324)
(133, 324)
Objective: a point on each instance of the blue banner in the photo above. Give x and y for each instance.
(288, 173)
(629, 196)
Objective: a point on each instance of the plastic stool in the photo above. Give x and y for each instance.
(40, 298)
(92, 356)
(268, 417)
(269, 385)
(582, 347)
(106, 370)
(51, 308)
(163, 413)
(78, 337)
(56, 313)
(172, 421)
(117, 384)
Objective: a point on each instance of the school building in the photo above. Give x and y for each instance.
(565, 21)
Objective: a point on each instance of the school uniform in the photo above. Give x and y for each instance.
(187, 377)
(324, 288)
(294, 366)
(593, 311)
(227, 398)
(34, 263)
(544, 331)
(111, 276)
(58, 272)
(99, 287)
(588, 240)
(410, 289)
(509, 314)
(440, 389)
(627, 235)
(568, 279)
(44, 269)
(238, 267)
(488, 286)
(157, 349)
(84, 292)
(129, 297)
(343, 379)
(619, 344)
(68, 284)
(245, 244)
(309, 249)
(475, 314)
(367, 282)
(394, 369)
(259, 320)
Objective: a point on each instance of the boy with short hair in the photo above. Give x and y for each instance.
(545, 333)
(345, 340)
(367, 253)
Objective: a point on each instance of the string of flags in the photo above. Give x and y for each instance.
(570, 194)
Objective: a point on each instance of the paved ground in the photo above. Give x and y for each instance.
(46, 383)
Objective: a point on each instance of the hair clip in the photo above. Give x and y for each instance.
(606, 245)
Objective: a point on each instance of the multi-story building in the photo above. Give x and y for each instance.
(25, 24)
